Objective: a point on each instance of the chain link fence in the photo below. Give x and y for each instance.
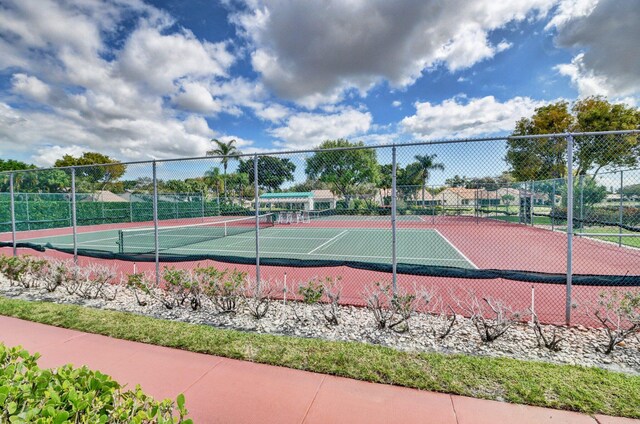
(487, 217)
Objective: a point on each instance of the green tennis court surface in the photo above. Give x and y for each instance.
(414, 246)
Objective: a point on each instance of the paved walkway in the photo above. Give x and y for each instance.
(220, 390)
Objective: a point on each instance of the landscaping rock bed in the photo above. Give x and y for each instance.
(580, 346)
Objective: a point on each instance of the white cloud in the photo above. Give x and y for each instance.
(105, 98)
(273, 113)
(606, 33)
(305, 130)
(396, 103)
(30, 86)
(456, 117)
(584, 79)
(196, 98)
(313, 52)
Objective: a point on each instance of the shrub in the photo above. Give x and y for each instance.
(549, 340)
(67, 394)
(222, 288)
(177, 288)
(59, 271)
(258, 297)
(502, 316)
(390, 310)
(311, 292)
(140, 286)
(619, 314)
(331, 310)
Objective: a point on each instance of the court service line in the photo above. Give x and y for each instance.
(456, 249)
(334, 238)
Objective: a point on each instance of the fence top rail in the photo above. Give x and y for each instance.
(337, 149)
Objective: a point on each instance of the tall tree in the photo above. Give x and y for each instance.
(213, 179)
(14, 165)
(228, 152)
(541, 158)
(107, 169)
(343, 170)
(545, 158)
(424, 165)
(272, 171)
(596, 152)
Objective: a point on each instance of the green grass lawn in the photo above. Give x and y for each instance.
(582, 389)
(626, 241)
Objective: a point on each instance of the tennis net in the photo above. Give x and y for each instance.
(142, 240)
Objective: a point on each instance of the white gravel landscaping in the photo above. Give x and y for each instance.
(579, 347)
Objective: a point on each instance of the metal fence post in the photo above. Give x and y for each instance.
(533, 202)
(581, 203)
(74, 215)
(156, 239)
(569, 228)
(621, 209)
(394, 261)
(553, 205)
(202, 206)
(257, 206)
(26, 198)
(13, 215)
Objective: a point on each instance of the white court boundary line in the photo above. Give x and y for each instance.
(455, 248)
(334, 238)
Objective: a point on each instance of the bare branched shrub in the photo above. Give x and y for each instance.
(390, 311)
(258, 297)
(331, 309)
(502, 316)
(549, 339)
(99, 282)
(77, 278)
(619, 314)
(58, 273)
(443, 316)
(377, 301)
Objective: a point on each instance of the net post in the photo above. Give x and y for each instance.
(13, 214)
(620, 213)
(569, 228)
(156, 241)
(394, 259)
(74, 215)
(257, 206)
(581, 203)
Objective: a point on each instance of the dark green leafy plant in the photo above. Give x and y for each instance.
(311, 292)
(77, 395)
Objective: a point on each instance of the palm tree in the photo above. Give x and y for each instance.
(213, 179)
(227, 151)
(426, 164)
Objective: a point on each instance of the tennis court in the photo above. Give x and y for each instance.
(297, 241)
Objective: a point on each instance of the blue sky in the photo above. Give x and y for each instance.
(158, 79)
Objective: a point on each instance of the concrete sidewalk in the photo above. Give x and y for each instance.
(220, 390)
